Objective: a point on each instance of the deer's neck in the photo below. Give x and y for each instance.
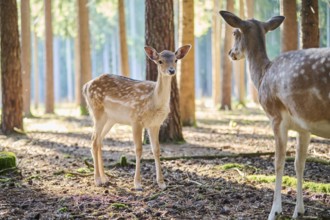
(162, 91)
(258, 60)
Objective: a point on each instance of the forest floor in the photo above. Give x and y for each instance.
(211, 176)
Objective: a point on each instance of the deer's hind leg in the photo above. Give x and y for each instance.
(303, 139)
(100, 120)
(108, 125)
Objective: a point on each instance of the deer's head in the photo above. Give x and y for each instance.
(248, 30)
(166, 60)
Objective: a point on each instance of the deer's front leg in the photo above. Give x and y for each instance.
(281, 135)
(153, 134)
(137, 137)
(299, 163)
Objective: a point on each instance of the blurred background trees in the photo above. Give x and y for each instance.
(85, 38)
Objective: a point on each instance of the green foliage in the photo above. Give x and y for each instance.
(119, 206)
(123, 161)
(203, 16)
(83, 170)
(7, 160)
(65, 24)
(230, 166)
(83, 110)
(292, 182)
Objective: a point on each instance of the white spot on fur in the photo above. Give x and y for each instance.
(316, 92)
(325, 80)
(322, 60)
(302, 71)
(295, 75)
(314, 66)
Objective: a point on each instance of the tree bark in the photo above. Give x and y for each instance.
(123, 41)
(289, 33)
(49, 102)
(35, 70)
(11, 76)
(227, 65)
(239, 67)
(249, 13)
(159, 33)
(310, 24)
(84, 58)
(216, 53)
(186, 69)
(26, 55)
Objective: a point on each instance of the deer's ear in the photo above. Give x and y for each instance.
(273, 23)
(232, 19)
(182, 51)
(151, 53)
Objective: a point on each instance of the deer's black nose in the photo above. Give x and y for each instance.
(172, 71)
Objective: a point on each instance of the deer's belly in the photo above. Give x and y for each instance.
(318, 128)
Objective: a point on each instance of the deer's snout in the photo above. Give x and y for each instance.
(171, 71)
(232, 55)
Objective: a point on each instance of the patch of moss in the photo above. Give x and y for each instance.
(83, 110)
(7, 160)
(63, 209)
(69, 175)
(83, 170)
(292, 182)
(119, 206)
(228, 166)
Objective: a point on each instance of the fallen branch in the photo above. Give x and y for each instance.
(212, 157)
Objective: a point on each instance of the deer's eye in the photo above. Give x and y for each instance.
(176, 61)
(160, 62)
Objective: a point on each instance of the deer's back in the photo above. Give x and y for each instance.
(298, 82)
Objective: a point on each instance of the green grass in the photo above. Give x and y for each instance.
(292, 182)
(7, 160)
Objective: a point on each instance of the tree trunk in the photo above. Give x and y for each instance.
(49, 102)
(216, 53)
(310, 24)
(227, 65)
(84, 52)
(123, 42)
(159, 34)
(239, 67)
(57, 77)
(186, 71)
(26, 56)
(69, 69)
(11, 76)
(249, 13)
(35, 70)
(289, 33)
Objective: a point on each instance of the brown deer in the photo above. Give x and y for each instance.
(294, 91)
(116, 99)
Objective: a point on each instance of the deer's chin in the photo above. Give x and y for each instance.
(235, 57)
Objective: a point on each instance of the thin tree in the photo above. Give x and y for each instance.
(35, 70)
(26, 55)
(83, 52)
(216, 53)
(289, 33)
(159, 33)
(239, 67)
(249, 13)
(123, 43)
(186, 69)
(310, 24)
(227, 65)
(12, 100)
(49, 58)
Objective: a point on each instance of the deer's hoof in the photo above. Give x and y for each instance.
(162, 185)
(138, 186)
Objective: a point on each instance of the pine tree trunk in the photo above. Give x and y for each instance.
(216, 53)
(239, 67)
(84, 58)
(186, 69)
(35, 70)
(69, 69)
(49, 102)
(227, 65)
(123, 41)
(249, 14)
(26, 55)
(11, 76)
(310, 24)
(159, 33)
(289, 33)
